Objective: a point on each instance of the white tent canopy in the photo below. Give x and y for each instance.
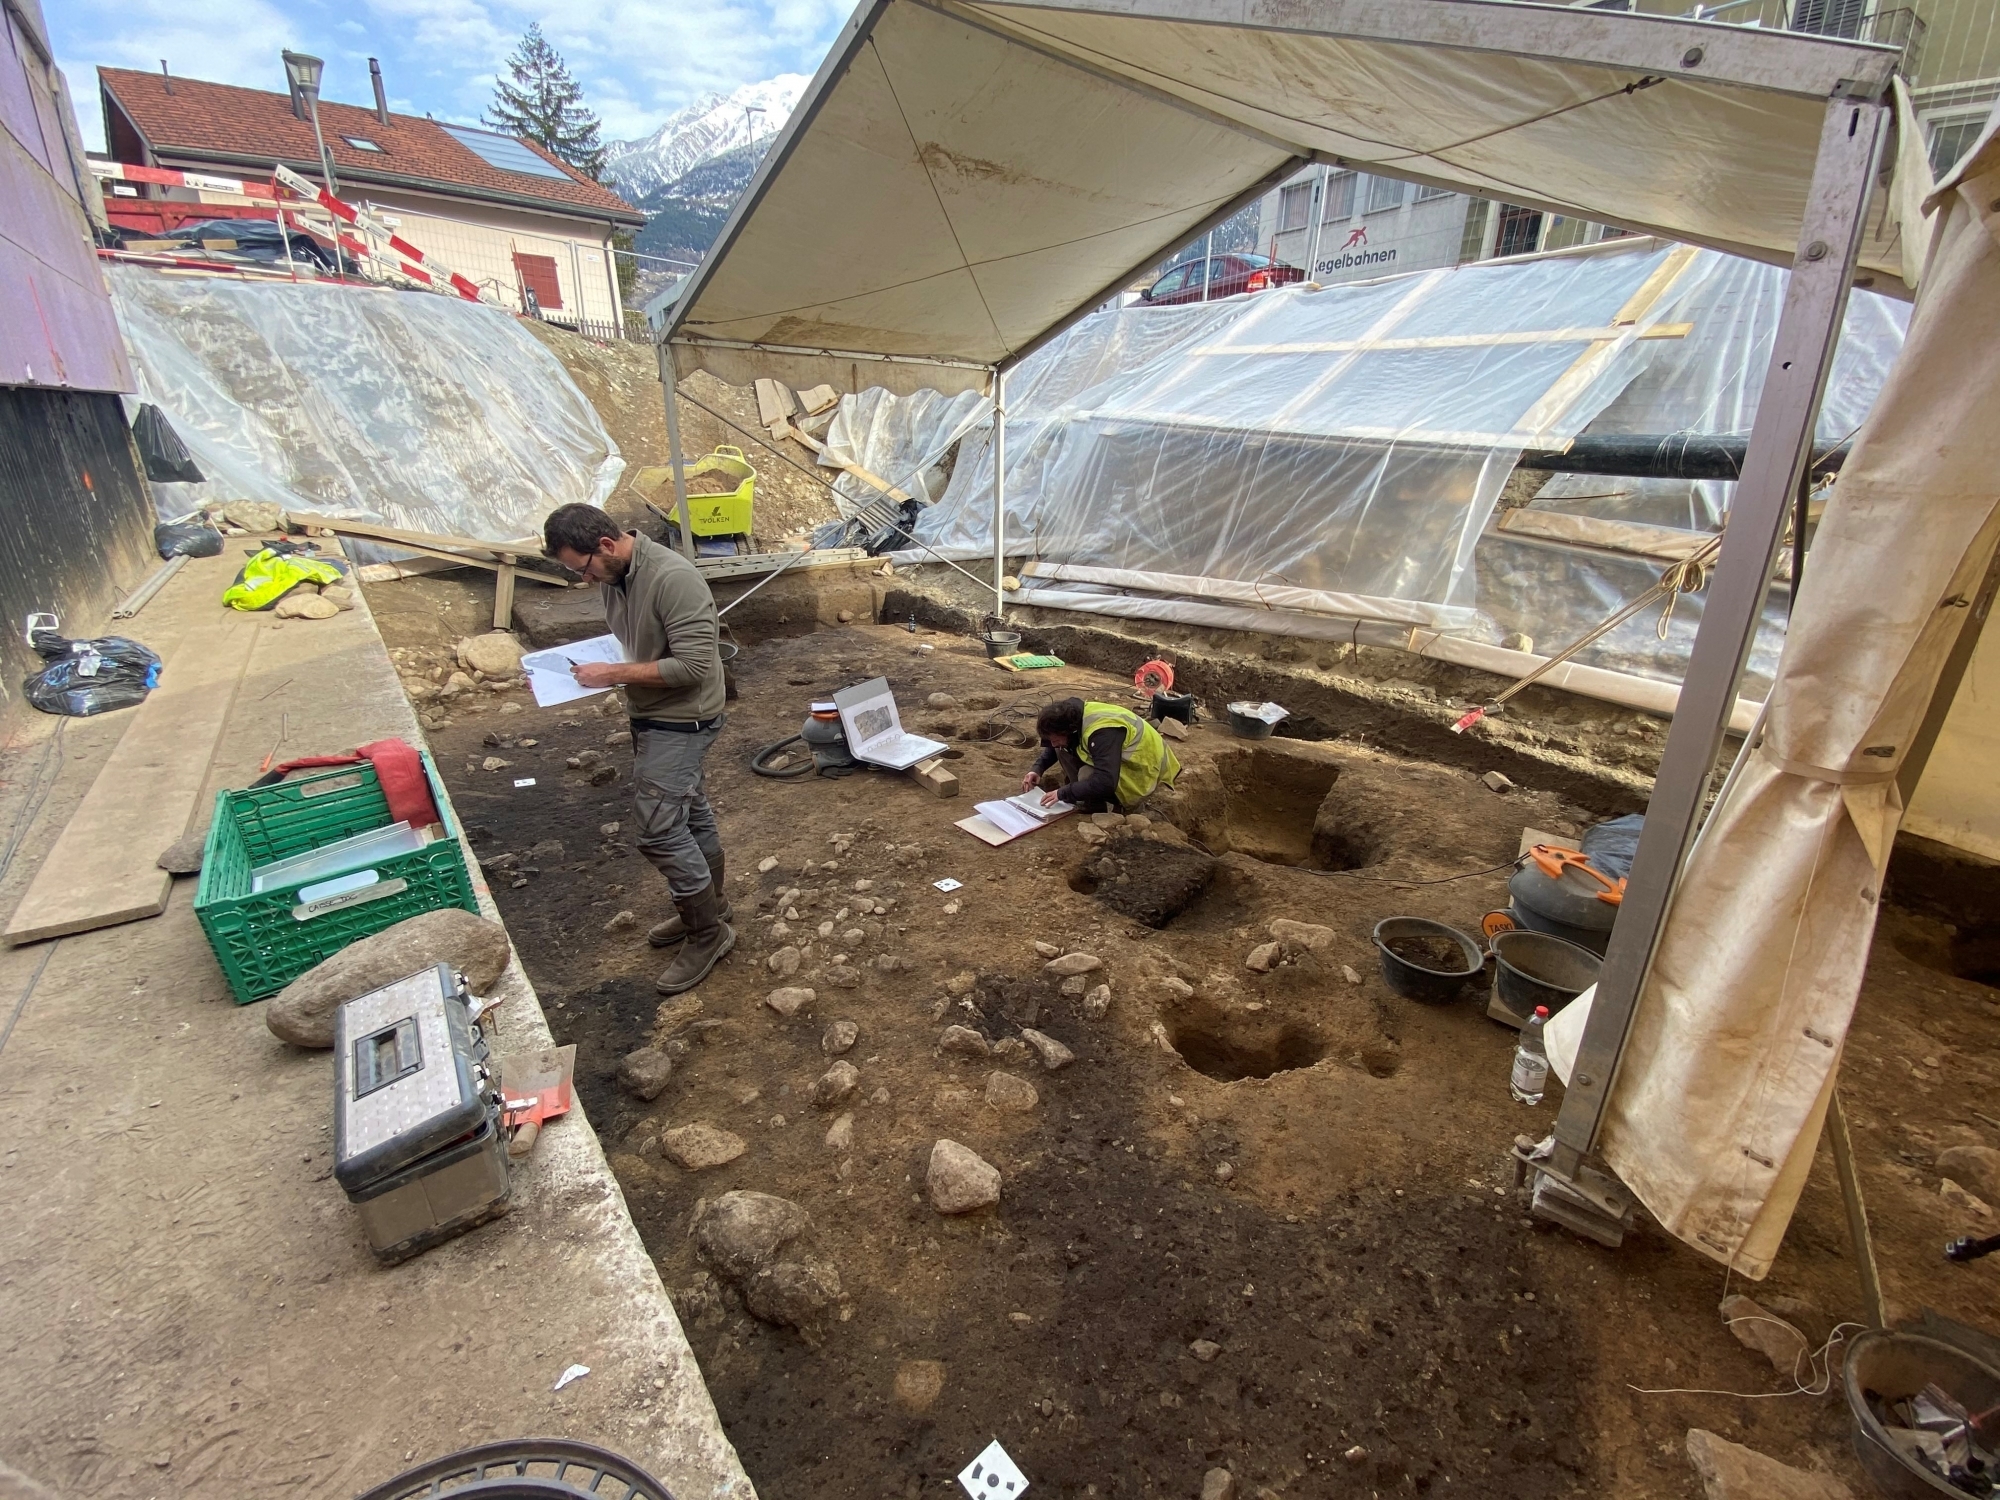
(963, 180)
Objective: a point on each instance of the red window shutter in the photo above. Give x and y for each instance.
(537, 274)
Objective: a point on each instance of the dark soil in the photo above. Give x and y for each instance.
(1298, 1166)
(1439, 955)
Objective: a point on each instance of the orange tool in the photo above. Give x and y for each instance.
(1552, 861)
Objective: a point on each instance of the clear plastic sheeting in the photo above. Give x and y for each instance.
(1352, 439)
(907, 440)
(412, 410)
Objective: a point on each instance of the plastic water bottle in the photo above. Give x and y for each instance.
(1531, 1060)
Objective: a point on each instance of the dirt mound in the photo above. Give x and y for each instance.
(1143, 878)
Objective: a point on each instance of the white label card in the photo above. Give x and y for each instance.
(993, 1475)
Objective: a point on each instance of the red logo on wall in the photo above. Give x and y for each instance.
(1358, 237)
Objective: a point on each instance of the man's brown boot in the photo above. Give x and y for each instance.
(708, 938)
(666, 934)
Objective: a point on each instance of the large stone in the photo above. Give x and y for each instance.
(836, 1085)
(184, 855)
(790, 1000)
(1299, 937)
(963, 1041)
(742, 1232)
(1054, 1055)
(1756, 1327)
(697, 1147)
(1975, 1168)
(843, 977)
(839, 1038)
(764, 1245)
(302, 604)
(645, 1073)
(1074, 963)
(1264, 958)
(784, 963)
(1730, 1471)
(497, 654)
(1013, 1095)
(960, 1180)
(918, 1384)
(840, 1135)
(302, 1012)
(1097, 1002)
(1218, 1484)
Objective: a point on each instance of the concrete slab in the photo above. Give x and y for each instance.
(187, 1307)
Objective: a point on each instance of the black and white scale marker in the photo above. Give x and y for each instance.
(993, 1475)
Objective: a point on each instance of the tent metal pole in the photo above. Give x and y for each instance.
(1780, 443)
(999, 494)
(667, 388)
(1317, 200)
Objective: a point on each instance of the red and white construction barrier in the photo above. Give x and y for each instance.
(167, 177)
(414, 263)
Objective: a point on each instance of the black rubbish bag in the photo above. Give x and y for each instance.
(187, 539)
(90, 677)
(167, 458)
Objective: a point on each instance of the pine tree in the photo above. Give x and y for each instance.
(542, 103)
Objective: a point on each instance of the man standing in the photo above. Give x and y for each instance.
(659, 607)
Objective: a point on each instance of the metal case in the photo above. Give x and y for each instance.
(417, 1141)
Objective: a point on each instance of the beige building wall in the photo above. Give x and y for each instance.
(479, 243)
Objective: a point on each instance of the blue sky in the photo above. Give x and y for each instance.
(638, 60)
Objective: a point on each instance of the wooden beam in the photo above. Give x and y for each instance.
(873, 481)
(463, 551)
(503, 596)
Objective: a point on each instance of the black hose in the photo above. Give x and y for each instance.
(790, 773)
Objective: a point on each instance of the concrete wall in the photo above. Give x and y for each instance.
(1406, 229)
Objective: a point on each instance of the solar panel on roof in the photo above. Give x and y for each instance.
(504, 152)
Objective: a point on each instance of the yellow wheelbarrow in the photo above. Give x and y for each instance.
(716, 518)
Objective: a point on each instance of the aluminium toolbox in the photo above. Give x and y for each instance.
(266, 939)
(417, 1145)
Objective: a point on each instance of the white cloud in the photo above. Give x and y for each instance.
(638, 60)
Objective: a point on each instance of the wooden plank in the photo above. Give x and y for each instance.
(503, 596)
(749, 565)
(450, 546)
(934, 777)
(818, 399)
(873, 481)
(102, 869)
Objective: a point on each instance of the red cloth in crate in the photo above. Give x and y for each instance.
(398, 767)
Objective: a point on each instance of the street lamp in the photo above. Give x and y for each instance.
(303, 71)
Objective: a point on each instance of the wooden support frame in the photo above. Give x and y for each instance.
(501, 558)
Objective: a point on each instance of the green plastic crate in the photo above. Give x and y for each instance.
(266, 940)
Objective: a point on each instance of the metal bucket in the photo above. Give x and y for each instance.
(1895, 1366)
(1419, 981)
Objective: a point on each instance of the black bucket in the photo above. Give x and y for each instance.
(1432, 982)
(1533, 968)
(1893, 1367)
(1174, 706)
(1001, 642)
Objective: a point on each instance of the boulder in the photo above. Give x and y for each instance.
(1975, 1168)
(1074, 963)
(790, 1000)
(960, 1180)
(254, 515)
(1299, 937)
(1218, 1484)
(963, 1041)
(836, 1085)
(302, 1012)
(1263, 958)
(764, 1246)
(1054, 1055)
(840, 1037)
(339, 595)
(784, 963)
(303, 605)
(644, 1073)
(1730, 1471)
(700, 1146)
(497, 654)
(1009, 1094)
(1756, 1327)
(184, 855)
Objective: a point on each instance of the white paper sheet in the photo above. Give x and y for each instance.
(549, 675)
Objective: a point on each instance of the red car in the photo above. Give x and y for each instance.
(1228, 275)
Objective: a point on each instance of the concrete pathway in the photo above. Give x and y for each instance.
(187, 1306)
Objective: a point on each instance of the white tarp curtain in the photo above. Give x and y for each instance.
(1717, 1109)
(1352, 439)
(418, 411)
(962, 177)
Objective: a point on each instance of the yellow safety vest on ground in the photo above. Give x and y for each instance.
(1147, 763)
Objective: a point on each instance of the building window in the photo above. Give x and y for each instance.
(1294, 207)
(1830, 17)
(1520, 231)
(362, 143)
(1384, 192)
(1339, 205)
(1950, 140)
(1428, 194)
(537, 275)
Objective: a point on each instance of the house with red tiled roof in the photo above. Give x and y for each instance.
(496, 209)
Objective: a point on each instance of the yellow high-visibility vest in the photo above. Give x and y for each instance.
(1148, 761)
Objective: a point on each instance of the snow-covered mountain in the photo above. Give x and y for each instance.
(711, 126)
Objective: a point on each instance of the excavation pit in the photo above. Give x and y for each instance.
(1269, 799)
(1230, 1053)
